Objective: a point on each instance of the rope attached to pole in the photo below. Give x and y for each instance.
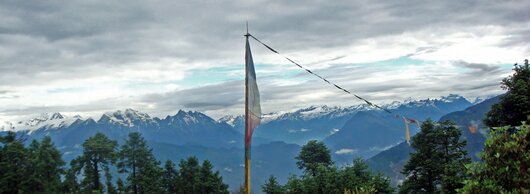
(407, 120)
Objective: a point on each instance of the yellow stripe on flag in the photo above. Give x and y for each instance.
(407, 132)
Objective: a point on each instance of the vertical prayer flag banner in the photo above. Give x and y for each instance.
(253, 112)
(252, 109)
(407, 131)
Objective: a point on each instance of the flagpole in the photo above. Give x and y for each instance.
(247, 127)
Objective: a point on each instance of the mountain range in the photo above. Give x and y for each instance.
(391, 161)
(349, 132)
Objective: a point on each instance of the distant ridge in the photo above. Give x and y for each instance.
(391, 161)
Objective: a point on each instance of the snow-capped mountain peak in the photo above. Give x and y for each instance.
(451, 98)
(42, 121)
(228, 119)
(127, 117)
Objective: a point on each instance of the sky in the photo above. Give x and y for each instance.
(94, 56)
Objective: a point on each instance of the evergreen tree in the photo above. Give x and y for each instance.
(13, 165)
(108, 181)
(438, 163)
(70, 184)
(294, 185)
(330, 179)
(170, 177)
(47, 167)
(121, 186)
(189, 175)
(98, 153)
(514, 105)
(137, 159)
(210, 181)
(358, 176)
(505, 166)
(312, 155)
(194, 178)
(272, 186)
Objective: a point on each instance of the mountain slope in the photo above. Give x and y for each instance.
(370, 132)
(319, 122)
(189, 127)
(391, 161)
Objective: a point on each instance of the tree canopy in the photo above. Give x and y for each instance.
(322, 176)
(39, 168)
(438, 161)
(514, 105)
(312, 155)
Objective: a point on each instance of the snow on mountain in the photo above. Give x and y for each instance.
(451, 98)
(127, 118)
(330, 112)
(228, 119)
(44, 121)
(393, 105)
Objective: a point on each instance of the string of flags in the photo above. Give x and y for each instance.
(405, 119)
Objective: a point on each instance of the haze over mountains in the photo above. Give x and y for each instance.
(356, 131)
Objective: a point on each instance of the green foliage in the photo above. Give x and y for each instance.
(46, 166)
(108, 181)
(514, 105)
(137, 159)
(170, 177)
(356, 177)
(70, 184)
(362, 190)
(321, 176)
(211, 182)
(39, 168)
(194, 178)
(294, 185)
(36, 169)
(438, 163)
(313, 155)
(506, 163)
(14, 165)
(98, 153)
(121, 186)
(272, 186)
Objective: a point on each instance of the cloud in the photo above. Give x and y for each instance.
(346, 151)
(168, 55)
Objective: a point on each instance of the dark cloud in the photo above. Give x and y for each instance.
(55, 42)
(478, 69)
(212, 97)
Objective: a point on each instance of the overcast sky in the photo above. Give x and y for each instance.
(89, 57)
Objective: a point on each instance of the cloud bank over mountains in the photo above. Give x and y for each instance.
(95, 56)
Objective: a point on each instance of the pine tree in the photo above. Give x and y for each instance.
(358, 176)
(170, 177)
(272, 186)
(121, 186)
(47, 167)
(136, 158)
(70, 184)
(514, 105)
(189, 175)
(294, 185)
(194, 178)
(13, 165)
(210, 181)
(312, 155)
(438, 163)
(98, 153)
(108, 181)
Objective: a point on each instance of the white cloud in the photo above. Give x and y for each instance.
(346, 151)
(90, 57)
